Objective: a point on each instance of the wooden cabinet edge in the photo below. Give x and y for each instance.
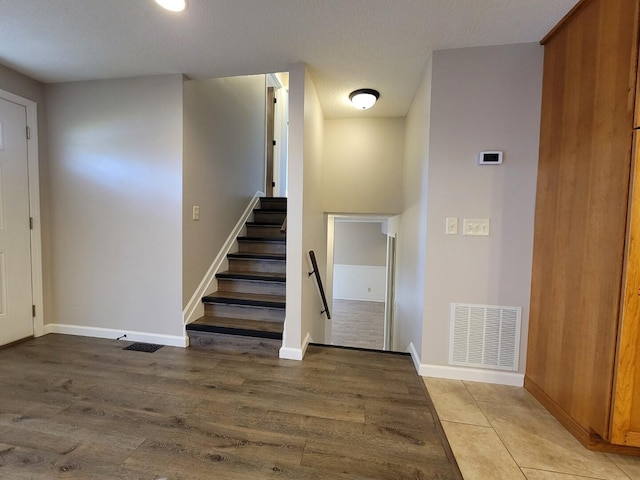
(634, 92)
(564, 20)
(588, 439)
(629, 328)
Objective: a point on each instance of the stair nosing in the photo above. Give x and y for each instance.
(268, 210)
(240, 332)
(225, 299)
(252, 276)
(276, 257)
(264, 224)
(263, 239)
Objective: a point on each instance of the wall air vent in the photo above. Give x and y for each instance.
(485, 336)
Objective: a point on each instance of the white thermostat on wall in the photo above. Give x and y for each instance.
(490, 158)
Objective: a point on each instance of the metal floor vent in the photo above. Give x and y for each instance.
(143, 347)
(485, 336)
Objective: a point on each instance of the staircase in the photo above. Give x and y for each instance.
(247, 312)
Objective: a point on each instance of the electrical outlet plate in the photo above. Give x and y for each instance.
(479, 227)
(196, 212)
(452, 226)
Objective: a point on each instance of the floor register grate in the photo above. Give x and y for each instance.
(143, 347)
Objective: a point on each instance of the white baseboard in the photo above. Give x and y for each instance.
(463, 373)
(296, 353)
(96, 332)
(195, 308)
(414, 356)
(358, 299)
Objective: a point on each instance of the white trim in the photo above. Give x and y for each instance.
(273, 81)
(472, 375)
(33, 163)
(296, 353)
(195, 308)
(462, 373)
(96, 332)
(414, 356)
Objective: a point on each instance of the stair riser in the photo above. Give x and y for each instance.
(264, 232)
(253, 265)
(262, 247)
(233, 343)
(273, 204)
(242, 311)
(249, 286)
(269, 217)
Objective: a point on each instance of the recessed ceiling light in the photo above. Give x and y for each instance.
(173, 5)
(364, 98)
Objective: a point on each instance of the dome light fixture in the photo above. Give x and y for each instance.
(173, 5)
(364, 98)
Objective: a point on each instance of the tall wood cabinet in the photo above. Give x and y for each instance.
(584, 328)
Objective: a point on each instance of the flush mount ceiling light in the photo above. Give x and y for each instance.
(173, 5)
(364, 98)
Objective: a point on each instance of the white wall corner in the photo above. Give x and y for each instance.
(194, 308)
(296, 353)
(131, 336)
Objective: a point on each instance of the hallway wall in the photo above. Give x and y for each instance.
(223, 165)
(483, 98)
(115, 154)
(306, 226)
(363, 159)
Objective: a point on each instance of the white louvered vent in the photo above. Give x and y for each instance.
(485, 336)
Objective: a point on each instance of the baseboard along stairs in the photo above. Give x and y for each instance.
(246, 313)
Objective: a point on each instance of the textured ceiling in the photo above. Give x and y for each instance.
(348, 44)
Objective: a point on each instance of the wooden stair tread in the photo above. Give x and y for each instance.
(263, 239)
(274, 203)
(267, 225)
(215, 324)
(254, 276)
(258, 256)
(269, 210)
(250, 299)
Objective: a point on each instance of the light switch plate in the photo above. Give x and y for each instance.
(479, 227)
(452, 226)
(196, 212)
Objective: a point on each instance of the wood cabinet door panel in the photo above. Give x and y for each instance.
(625, 425)
(581, 209)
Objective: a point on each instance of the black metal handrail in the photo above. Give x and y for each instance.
(315, 271)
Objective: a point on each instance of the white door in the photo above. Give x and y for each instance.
(16, 321)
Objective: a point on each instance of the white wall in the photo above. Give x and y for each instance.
(360, 254)
(365, 283)
(363, 160)
(411, 239)
(224, 165)
(306, 224)
(115, 154)
(359, 243)
(482, 98)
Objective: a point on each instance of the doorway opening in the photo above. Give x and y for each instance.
(277, 134)
(361, 278)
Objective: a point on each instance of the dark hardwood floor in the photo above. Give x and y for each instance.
(82, 408)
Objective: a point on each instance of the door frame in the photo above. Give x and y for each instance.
(390, 265)
(33, 163)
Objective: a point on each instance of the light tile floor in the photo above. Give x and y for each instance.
(502, 433)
